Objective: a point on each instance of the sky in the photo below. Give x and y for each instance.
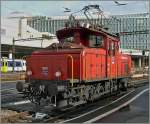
(53, 8)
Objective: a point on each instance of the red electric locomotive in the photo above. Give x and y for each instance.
(85, 65)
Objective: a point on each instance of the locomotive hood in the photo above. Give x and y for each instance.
(45, 65)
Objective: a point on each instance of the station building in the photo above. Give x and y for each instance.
(15, 27)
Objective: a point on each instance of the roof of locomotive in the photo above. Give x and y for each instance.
(67, 32)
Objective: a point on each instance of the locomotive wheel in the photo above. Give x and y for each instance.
(123, 84)
(19, 86)
(100, 89)
(34, 95)
(62, 103)
(86, 93)
(92, 94)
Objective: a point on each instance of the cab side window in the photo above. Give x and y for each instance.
(95, 41)
(10, 63)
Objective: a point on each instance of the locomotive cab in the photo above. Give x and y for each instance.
(82, 36)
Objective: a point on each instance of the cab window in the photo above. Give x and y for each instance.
(10, 63)
(18, 64)
(95, 41)
(6, 63)
(70, 39)
(3, 64)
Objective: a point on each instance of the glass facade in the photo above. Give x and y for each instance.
(134, 29)
(135, 33)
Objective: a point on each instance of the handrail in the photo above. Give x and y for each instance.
(116, 67)
(110, 71)
(72, 74)
(85, 68)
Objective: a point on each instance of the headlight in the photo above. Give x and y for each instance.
(29, 73)
(57, 73)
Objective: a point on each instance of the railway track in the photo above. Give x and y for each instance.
(9, 92)
(10, 89)
(82, 108)
(78, 110)
(68, 113)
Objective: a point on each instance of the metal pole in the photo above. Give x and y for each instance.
(42, 43)
(143, 57)
(148, 47)
(149, 67)
(121, 42)
(13, 54)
